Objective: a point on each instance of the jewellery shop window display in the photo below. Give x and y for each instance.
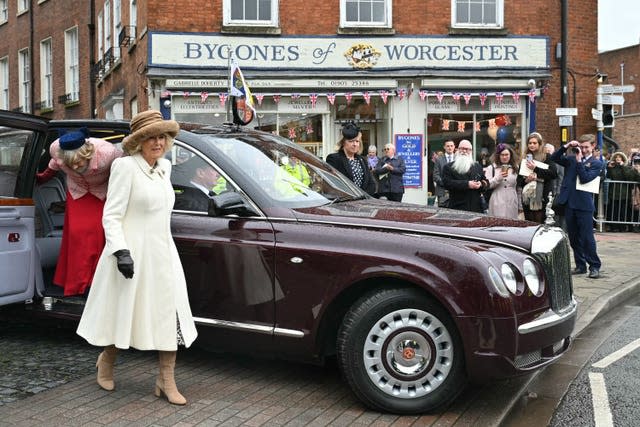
(297, 118)
(370, 116)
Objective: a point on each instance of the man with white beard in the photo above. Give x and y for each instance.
(465, 180)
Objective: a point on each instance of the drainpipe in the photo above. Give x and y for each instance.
(92, 59)
(564, 13)
(32, 90)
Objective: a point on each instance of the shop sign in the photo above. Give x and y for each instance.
(508, 105)
(446, 106)
(289, 54)
(335, 84)
(409, 147)
(302, 104)
(194, 104)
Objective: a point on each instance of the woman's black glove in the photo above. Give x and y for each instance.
(125, 262)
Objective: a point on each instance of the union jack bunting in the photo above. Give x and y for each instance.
(467, 98)
(439, 96)
(423, 95)
(445, 124)
(276, 98)
(367, 97)
(532, 95)
(309, 128)
(461, 126)
(203, 97)
(477, 126)
(348, 95)
(515, 96)
(313, 97)
(331, 97)
(499, 97)
(456, 96)
(223, 98)
(295, 96)
(185, 94)
(492, 124)
(165, 94)
(384, 95)
(292, 133)
(483, 98)
(401, 94)
(430, 121)
(259, 97)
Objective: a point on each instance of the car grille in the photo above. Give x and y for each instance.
(556, 262)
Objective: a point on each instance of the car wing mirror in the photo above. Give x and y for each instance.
(229, 203)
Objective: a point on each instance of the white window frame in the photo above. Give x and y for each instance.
(46, 74)
(117, 27)
(227, 20)
(133, 13)
(100, 35)
(385, 23)
(108, 37)
(24, 82)
(499, 15)
(23, 6)
(71, 64)
(4, 11)
(4, 83)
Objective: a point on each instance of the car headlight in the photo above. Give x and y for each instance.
(498, 283)
(509, 277)
(531, 276)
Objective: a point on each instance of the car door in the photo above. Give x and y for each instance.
(228, 261)
(21, 140)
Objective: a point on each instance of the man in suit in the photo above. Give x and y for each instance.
(439, 164)
(579, 166)
(195, 195)
(465, 180)
(389, 171)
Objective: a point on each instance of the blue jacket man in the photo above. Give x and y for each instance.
(579, 165)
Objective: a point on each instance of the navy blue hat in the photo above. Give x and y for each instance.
(350, 130)
(74, 139)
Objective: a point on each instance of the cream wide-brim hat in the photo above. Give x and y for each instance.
(147, 124)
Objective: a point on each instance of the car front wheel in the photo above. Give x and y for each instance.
(400, 352)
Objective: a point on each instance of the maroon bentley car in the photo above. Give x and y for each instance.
(413, 302)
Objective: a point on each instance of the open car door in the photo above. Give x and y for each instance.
(22, 138)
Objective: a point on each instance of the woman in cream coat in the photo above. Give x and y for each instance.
(139, 295)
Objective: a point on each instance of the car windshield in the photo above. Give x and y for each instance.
(290, 176)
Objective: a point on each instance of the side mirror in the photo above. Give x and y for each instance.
(229, 203)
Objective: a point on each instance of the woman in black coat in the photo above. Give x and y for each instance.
(348, 160)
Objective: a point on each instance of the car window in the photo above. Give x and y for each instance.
(194, 180)
(288, 175)
(12, 147)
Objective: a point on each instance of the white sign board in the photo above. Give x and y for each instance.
(613, 99)
(596, 114)
(618, 89)
(566, 120)
(566, 111)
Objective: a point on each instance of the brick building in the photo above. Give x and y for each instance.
(413, 72)
(623, 69)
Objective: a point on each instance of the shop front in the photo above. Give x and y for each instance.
(415, 92)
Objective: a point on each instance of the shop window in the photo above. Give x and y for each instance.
(365, 13)
(484, 130)
(477, 13)
(251, 12)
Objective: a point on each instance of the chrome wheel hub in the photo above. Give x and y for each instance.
(408, 353)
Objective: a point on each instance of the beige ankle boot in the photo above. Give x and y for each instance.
(105, 362)
(166, 384)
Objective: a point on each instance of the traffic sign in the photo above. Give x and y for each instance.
(613, 99)
(566, 111)
(566, 120)
(618, 89)
(596, 114)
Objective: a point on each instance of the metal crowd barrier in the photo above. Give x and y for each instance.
(618, 206)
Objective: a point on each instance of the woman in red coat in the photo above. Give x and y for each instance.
(86, 163)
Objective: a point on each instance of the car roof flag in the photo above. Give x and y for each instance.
(239, 87)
